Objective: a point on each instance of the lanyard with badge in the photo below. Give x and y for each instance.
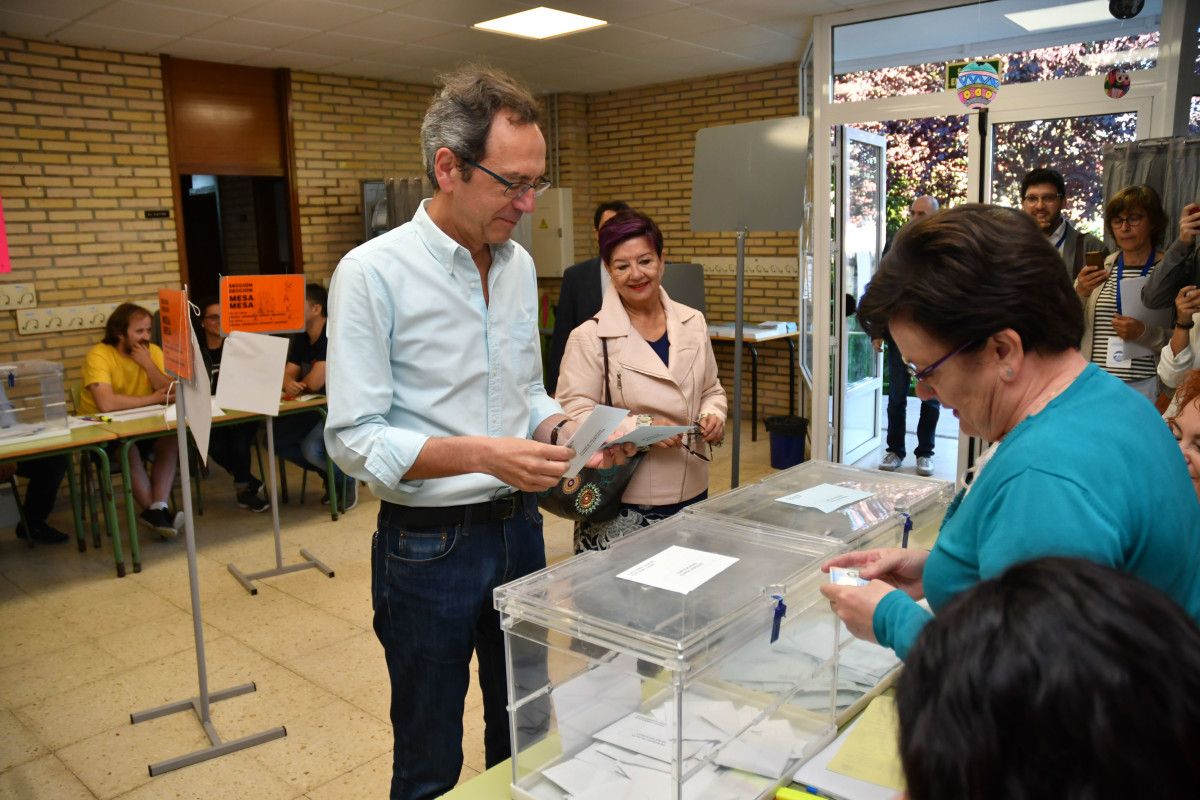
(1058, 245)
(1115, 351)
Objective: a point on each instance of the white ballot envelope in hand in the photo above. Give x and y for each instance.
(591, 435)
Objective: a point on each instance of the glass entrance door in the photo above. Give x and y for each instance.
(862, 201)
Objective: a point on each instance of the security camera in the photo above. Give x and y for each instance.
(1125, 9)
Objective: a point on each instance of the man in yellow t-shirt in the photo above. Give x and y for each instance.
(126, 371)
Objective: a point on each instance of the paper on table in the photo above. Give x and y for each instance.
(594, 700)
(137, 413)
(825, 497)
(589, 436)
(678, 569)
(252, 373)
(650, 434)
(870, 752)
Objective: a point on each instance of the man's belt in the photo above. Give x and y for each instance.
(497, 510)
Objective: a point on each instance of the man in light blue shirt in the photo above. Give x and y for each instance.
(436, 401)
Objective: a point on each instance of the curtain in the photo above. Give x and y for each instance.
(1171, 166)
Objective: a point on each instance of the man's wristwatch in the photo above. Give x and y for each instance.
(1186, 327)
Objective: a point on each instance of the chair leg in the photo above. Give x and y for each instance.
(24, 523)
(281, 468)
(89, 495)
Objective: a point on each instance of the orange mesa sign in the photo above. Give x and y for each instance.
(176, 332)
(262, 303)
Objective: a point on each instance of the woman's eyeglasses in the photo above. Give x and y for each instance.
(693, 442)
(922, 374)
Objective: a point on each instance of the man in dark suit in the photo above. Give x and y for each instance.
(580, 296)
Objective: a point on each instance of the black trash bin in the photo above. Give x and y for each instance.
(787, 440)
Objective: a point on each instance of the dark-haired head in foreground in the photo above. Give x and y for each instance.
(1059, 679)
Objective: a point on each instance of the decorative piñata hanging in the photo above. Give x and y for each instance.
(1116, 83)
(977, 84)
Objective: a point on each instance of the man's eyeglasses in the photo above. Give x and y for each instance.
(207, 317)
(515, 190)
(922, 374)
(1041, 199)
(1133, 220)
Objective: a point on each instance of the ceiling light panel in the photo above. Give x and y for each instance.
(540, 23)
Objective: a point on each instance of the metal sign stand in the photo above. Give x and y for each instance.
(199, 704)
(310, 562)
(744, 178)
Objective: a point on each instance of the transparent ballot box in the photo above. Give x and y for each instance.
(892, 502)
(694, 659)
(32, 401)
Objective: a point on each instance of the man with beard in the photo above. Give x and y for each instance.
(126, 371)
(1043, 195)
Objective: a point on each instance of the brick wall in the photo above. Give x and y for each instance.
(348, 130)
(83, 152)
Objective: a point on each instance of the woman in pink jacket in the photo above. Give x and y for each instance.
(660, 365)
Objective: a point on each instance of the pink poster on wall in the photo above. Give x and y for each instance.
(5, 263)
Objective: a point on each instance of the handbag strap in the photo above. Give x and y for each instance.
(604, 347)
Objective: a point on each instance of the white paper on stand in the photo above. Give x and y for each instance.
(589, 436)
(825, 497)
(198, 401)
(252, 373)
(678, 569)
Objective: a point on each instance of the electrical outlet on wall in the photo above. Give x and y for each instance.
(17, 295)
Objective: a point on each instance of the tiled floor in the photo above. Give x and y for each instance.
(80, 650)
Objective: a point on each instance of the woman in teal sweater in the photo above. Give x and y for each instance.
(978, 303)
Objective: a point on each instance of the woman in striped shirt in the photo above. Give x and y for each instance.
(1123, 345)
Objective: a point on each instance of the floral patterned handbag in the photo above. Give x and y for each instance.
(594, 494)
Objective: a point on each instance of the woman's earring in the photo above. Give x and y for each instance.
(1008, 373)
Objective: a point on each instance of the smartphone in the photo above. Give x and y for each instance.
(1094, 258)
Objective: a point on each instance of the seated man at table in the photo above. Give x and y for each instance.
(228, 445)
(126, 371)
(300, 438)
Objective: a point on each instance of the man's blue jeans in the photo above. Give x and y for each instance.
(431, 590)
(899, 379)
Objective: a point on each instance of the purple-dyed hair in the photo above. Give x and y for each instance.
(628, 225)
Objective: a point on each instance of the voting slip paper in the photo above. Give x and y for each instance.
(825, 497)
(591, 434)
(678, 569)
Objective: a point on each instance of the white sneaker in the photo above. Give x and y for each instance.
(925, 465)
(891, 462)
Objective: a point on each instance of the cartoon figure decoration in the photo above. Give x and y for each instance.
(1116, 83)
(977, 84)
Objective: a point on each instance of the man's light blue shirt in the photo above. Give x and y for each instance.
(415, 352)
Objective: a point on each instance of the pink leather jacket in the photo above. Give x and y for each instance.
(640, 382)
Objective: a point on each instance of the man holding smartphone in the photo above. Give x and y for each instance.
(1043, 195)
(1180, 265)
